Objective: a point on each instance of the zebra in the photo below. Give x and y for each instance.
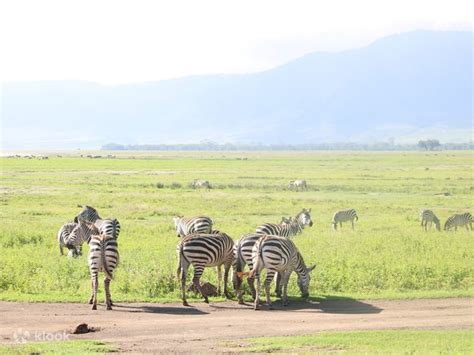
(64, 233)
(428, 216)
(344, 216)
(84, 229)
(197, 183)
(278, 254)
(88, 213)
(288, 227)
(297, 185)
(459, 220)
(185, 226)
(103, 256)
(203, 250)
(242, 257)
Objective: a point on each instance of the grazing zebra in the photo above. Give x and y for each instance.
(204, 250)
(64, 233)
(288, 227)
(243, 256)
(197, 184)
(428, 216)
(88, 213)
(344, 216)
(459, 220)
(278, 254)
(185, 226)
(103, 256)
(297, 185)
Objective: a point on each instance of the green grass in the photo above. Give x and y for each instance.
(383, 341)
(387, 256)
(59, 347)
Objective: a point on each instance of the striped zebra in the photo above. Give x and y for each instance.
(344, 216)
(242, 257)
(103, 256)
(428, 216)
(185, 226)
(288, 227)
(88, 213)
(84, 229)
(459, 220)
(204, 250)
(278, 254)
(64, 233)
(297, 185)
(198, 184)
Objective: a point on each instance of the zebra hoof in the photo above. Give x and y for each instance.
(109, 308)
(241, 302)
(256, 308)
(206, 300)
(185, 304)
(91, 301)
(94, 307)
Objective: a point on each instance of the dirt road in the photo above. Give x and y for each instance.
(151, 327)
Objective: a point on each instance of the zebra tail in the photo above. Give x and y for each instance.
(104, 259)
(180, 256)
(258, 265)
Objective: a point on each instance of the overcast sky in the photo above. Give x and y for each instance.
(132, 41)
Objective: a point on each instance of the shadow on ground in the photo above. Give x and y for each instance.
(178, 310)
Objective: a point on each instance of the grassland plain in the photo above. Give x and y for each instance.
(388, 255)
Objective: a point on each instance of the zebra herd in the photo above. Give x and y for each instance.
(453, 221)
(201, 246)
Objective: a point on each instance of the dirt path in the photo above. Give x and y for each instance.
(151, 327)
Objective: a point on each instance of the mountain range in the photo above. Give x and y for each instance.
(403, 87)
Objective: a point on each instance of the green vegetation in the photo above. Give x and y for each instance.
(387, 255)
(381, 341)
(59, 347)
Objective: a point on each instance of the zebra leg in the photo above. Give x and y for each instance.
(352, 221)
(251, 282)
(184, 272)
(257, 293)
(198, 270)
(95, 286)
(219, 280)
(226, 277)
(91, 300)
(278, 285)
(285, 278)
(268, 281)
(108, 301)
(61, 249)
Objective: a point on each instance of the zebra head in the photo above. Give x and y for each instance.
(304, 217)
(88, 213)
(437, 223)
(304, 279)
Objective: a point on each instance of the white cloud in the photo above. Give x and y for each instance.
(114, 41)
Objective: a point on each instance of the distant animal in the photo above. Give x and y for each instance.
(344, 216)
(63, 234)
(428, 216)
(297, 185)
(103, 256)
(189, 225)
(207, 289)
(88, 213)
(278, 254)
(200, 184)
(288, 227)
(458, 220)
(204, 250)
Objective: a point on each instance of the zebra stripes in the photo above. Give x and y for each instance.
(88, 213)
(428, 216)
(344, 216)
(285, 229)
(458, 220)
(278, 254)
(242, 257)
(103, 256)
(185, 226)
(297, 185)
(63, 235)
(204, 250)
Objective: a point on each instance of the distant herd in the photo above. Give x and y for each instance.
(201, 246)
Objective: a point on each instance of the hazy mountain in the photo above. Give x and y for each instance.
(404, 86)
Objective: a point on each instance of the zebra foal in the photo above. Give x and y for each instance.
(278, 254)
(201, 251)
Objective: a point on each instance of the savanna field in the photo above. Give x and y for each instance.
(388, 255)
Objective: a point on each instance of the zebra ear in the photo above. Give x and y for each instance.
(309, 210)
(311, 268)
